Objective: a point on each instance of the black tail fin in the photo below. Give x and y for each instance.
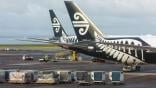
(57, 27)
(84, 28)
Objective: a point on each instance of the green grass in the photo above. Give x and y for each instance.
(28, 46)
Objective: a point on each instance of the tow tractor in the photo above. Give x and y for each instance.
(131, 68)
(45, 58)
(27, 57)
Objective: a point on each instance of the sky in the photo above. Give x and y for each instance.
(25, 18)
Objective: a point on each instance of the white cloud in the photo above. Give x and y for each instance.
(122, 16)
(123, 7)
(113, 16)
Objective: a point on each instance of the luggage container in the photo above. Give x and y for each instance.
(34, 74)
(2, 76)
(47, 77)
(64, 76)
(82, 77)
(20, 77)
(116, 77)
(7, 72)
(98, 77)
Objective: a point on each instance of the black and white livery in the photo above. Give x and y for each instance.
(130, 51)
(59, 32)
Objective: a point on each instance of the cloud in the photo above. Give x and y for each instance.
(122, 16)
(31, 17)
(123, 7)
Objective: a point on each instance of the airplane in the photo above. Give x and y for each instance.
(59, 31)
(130, 51)
(67, 41)
(87, 44)
(60, 35)
(64, 40)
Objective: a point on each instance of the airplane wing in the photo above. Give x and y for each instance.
(38, 39)
(51, 40)
(41, 39)
(32, 40)
(63, 45)
(68, 46)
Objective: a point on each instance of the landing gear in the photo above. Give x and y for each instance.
(132, 68)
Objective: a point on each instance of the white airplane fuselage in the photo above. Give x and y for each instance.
(149, 40)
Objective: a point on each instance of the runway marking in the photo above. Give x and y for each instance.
(140, 74)
(27, 63)
(153, 70)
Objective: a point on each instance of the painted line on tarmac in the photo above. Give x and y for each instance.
(21, 64)
(141, 74)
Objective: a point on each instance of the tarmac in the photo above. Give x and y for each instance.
(13, 60)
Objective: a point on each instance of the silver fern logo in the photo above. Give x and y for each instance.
(81, 23)
(56, 24)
